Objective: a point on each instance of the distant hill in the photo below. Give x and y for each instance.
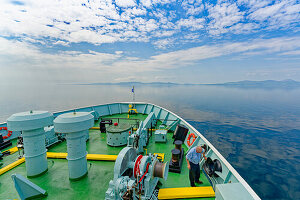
(135, 83)
(267, 84)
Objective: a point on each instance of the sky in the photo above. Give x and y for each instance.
(183, 41)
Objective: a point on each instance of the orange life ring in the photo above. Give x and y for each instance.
(8, 134)
(189, 139)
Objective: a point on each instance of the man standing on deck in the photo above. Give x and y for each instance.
(193, 158)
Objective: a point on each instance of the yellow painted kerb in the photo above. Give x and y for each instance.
(186, 192)
(100, 157)
(11, 166)
(88, 156)
(56, 155)
(12, 150)
(98, 128)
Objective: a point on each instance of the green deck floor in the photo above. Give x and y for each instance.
(56, 181)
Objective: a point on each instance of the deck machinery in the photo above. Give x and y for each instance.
(135, 176)
(140, 138)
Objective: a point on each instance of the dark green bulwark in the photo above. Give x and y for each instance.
(56, 181)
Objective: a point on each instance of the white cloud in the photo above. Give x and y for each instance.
(32, 40)
(109, 66)
(266, 12)
(279, 15)
(171, 59)
(164, 33)
(240, 28)
(132, 12)
(90, 36)
(146, 3)
(25, 55)
(150, 25)
(118, 52)
(192, 55)
(195, 10)
(125, 3)
(60, 42)
(291, 53)
(191, 36)
(193, 7)
(80, 21)
(254, 4)
(222, 16)
(109, 21)
(192, 23)
(165, 24)
(164, 43)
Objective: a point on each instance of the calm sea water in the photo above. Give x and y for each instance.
(256, 130)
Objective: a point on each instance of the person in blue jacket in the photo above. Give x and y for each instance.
(193, 157)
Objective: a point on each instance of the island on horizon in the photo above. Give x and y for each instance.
(268, 84)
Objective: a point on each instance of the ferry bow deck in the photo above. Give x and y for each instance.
(56, 180)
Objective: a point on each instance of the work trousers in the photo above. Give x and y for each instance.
(194, 173)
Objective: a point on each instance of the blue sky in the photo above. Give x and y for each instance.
(187, 41)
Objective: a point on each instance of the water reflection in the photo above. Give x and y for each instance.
(268, 160)
(257, 130)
